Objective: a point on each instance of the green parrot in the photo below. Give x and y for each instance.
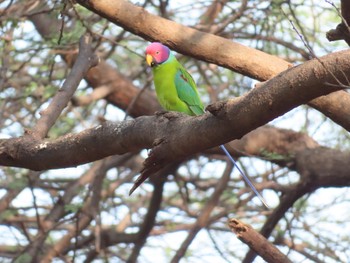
(177, 91)
(175, 87)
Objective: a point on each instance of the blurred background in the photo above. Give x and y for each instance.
(175, 216)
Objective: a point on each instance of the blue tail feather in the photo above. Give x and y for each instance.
(245, 177)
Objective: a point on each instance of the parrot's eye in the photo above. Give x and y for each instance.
(157, 52)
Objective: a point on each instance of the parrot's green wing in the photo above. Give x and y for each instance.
(187, 91)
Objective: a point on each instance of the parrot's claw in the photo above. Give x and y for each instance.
(169, 114)
(161, 113)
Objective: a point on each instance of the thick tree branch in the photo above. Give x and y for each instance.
(273, 144)
(260, 105)
(229, 120)
(210, 48)
(317, 166)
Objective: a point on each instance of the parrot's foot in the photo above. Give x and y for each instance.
(169, 114)
(161, 113)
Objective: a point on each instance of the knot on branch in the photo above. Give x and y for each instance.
(217, 108)
(169, 115)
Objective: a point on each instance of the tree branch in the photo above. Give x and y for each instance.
(232, 55)
(229, 120)
(210, 48)
(122, 91)
(153, 209)
(86, 59)
(257, 242)
(204, 216)
(287, 200)
(342, 31)
(318, 167)
(85, 215)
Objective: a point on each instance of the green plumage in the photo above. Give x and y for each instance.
(176, 89)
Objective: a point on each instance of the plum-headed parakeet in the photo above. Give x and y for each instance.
(177, 91)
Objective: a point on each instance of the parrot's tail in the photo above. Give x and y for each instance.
(246, 178)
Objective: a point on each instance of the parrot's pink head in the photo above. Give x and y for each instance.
(157, 53)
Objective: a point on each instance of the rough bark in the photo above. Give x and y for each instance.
(207, 47)
(257, 242)
(229, 120)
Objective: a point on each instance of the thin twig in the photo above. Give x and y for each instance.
(339, 13)
(62, 15)
(37, 214)
(311, 51)
(134, 99)
(93, 33)
(204, 216)
(221, 253)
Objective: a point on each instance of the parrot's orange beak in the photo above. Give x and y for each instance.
(149, 60)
